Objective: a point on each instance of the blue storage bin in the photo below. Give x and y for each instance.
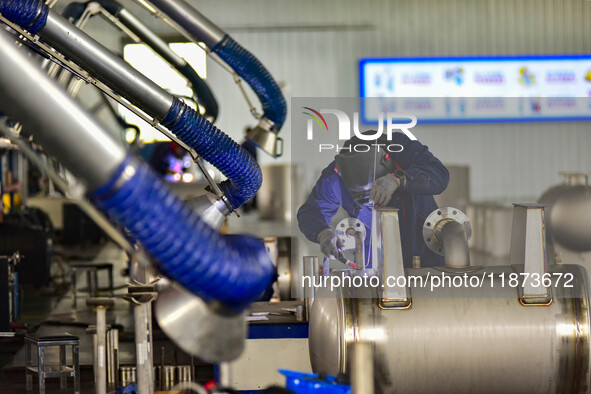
(303, 383)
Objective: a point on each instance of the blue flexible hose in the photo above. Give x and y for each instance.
(28, 14)
(243, 172)
(234, 270)
(249, 68)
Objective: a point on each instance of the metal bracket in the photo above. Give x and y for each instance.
(528, 247)
(140, 294)
(390, 258)
(252, 108)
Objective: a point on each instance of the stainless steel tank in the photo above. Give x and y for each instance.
(461, 339)
(276, 197)
(568, 212)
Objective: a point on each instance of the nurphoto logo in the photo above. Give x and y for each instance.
(344, 129)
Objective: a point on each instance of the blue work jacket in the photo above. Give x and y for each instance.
(425, 176)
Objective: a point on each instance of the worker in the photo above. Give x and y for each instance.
(399, 173)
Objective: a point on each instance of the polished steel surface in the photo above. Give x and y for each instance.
(225, 374)
(197, 328)
(152, 40)
(275, 197)
(462, 339)
(105, 66)
(191, 20)
(359, 251)
(127, 375)
(143, 346)
(183, 373)
(433, 226)
(262, 136)
(279, 249)
(211, 209)
(272, 248)
(100, 379)
(112, 356)
(391, 261)
(568, 212)
(362, 369)
(491, 225)
(285, 278)
(326, 338)
(311, 268)
(62, 126)
(528, 247)
(168, 374)
(455, 245)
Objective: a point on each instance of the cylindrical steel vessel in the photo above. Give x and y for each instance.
(462, 339)
(568, 212)
(274, 198)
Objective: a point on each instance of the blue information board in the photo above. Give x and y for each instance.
(477, 89)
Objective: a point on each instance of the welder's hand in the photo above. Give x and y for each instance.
(329, 243)
(383, 189)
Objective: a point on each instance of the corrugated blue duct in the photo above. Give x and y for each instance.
(248, 67)
(243, 173)
(28, 14)
(232, 269)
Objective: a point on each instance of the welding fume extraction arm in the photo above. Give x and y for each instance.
(191, 128)
(244, 64)
(230, 271)
(227, 272)
(202, 93)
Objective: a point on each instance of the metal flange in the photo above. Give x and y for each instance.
(346, 229)
(436, 220)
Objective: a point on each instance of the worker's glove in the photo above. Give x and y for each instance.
(329, 243)
(383, 189)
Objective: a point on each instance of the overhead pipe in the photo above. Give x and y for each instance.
(233, 270)
(245, 64)
(243, 173)
(203, 94)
